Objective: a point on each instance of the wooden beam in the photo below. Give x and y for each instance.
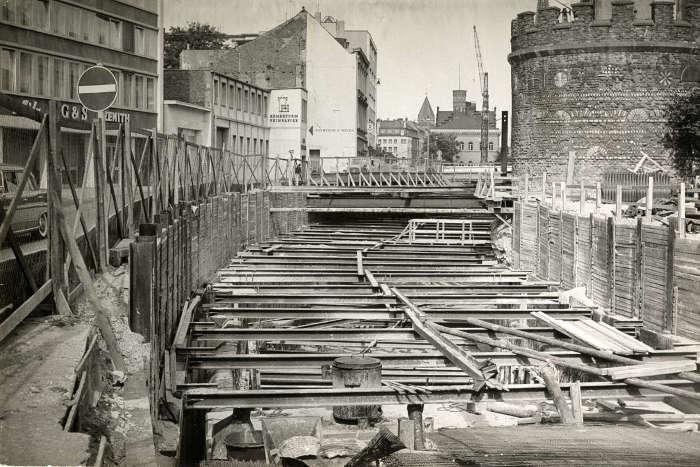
(17, 316)
(452, 352)
(360, 267)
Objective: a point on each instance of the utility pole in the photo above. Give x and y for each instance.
(484, 81)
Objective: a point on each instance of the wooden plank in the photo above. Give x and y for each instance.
(24, 310)
(360, 267)
(650, 369)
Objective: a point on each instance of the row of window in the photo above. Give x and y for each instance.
(470, 146)
(44, 76)
(230, 94)
(78, 23)
(395, 140)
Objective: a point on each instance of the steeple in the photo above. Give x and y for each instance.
(426, 114)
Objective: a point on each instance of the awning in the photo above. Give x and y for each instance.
(19, 123)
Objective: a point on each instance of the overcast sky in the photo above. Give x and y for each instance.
(421, 43)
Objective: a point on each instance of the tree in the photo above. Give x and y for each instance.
(445, 143)
(682, 134)
(198, 36)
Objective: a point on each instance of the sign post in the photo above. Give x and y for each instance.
(97, 91)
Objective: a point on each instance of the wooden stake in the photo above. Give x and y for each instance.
(551, 381)
(582, 198)
(562, 187)
(598, 196)
(576, 407)
(681, 211)
(618, 203)
(650, 200)
(544, 186)
(56, 251)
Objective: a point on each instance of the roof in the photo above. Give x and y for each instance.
(426, 111)
(177, 103)
(449, 120)
(19, 123)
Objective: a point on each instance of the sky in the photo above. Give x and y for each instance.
(422, 44)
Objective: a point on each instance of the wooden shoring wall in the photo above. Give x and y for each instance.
(634, 269)
(686, 297)
(175, 258)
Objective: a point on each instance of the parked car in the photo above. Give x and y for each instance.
(31, 213)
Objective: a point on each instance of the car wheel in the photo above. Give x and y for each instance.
(43, 225)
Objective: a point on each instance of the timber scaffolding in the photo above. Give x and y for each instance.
(448, 323)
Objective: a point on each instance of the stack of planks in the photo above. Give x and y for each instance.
(598, 335)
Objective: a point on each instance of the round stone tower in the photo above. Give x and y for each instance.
(600, 87)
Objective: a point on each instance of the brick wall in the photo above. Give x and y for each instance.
(597, 87)
(188, 86)
(273, 60)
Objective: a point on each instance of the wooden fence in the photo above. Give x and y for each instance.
(175, 257)
(631, 267)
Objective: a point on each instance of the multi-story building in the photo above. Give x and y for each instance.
(217, 110)
(301, 53)
(401, 138)
(361, 44)
(464, 123)
(45, 45)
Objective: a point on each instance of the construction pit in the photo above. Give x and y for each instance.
(364, 338)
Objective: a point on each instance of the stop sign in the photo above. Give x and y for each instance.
(97, 88)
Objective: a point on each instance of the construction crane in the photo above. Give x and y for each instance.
(484, 82)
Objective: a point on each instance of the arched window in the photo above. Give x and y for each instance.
(471, 146)
(490, 145)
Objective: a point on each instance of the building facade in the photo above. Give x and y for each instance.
(464, 123)
(45, 46)
(360, 43)
(599, 82)
(288, 116)
(216, 110)
(401, 138)
(300, 53)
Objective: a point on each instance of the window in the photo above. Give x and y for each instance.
(102, 31)
(265, 106)
(60, 85)
(151, 43)
(224, 99)
(87, 26)
(247, 145)
(150, 93)
(139, 41)
(240, 145)
(115, 34)
(30, 13)
(471, 146)
(255, 145)
(138, 92)
(74, 72)
(7, 70)
(238, 99)
(25, 71)
(304, 105)
(216, 91)
(41, 77)
(231, 95)
(128, 92)
(490, 145)
(245, 100)
(7, 10)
